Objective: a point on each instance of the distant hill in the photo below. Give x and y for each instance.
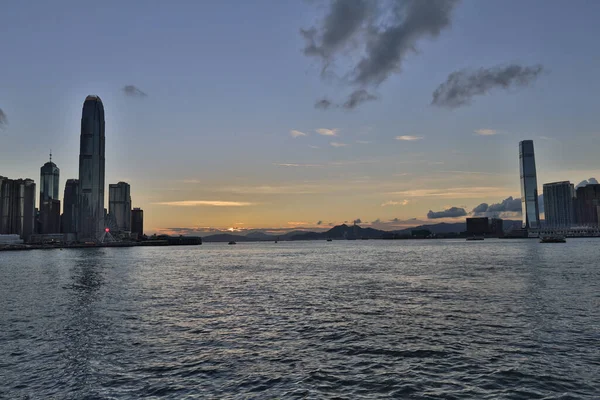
(346, 232)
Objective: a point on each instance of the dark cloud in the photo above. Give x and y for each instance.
(358, 97)
(452, 212)
(377, 34)
(3, 119)
(133, 91)
(508, 205)
(319, 222)
(344, 20)
(323, 104)
(357, 221)
(585, 182)
(480, 208)
(377, 221)
(461, 86)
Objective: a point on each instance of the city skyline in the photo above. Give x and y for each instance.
(217, 148)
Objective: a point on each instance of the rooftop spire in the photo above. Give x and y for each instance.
(50, 155)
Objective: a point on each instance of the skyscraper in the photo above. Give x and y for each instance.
(558, 204)
(70, 215)
(119, 205)
(137, 222)
(586, 202)
(529, 192)
(17, 207)
(91, 170)
(49, 203)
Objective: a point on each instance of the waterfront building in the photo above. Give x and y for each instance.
(529, 190)
(91, 171)
(497, 227)
(478, 226)
(558, 204)
(119, 205)
(70, 216)
(137, 222)
(49, 203)
(586, 204)
(17, 207)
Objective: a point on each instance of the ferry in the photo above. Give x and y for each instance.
(232, 242)
(553, 239)
(475, 237)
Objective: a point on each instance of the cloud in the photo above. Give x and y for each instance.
(319, 222)
(338, 144)
(461, 86)
(295, 134)
(591, 181)
(452, 212)
(357, 221)
(298, 165)
(212, 203)
(297, 223)
(486, 132)
(395, 203)
(327, 132)
(409, 138)
(324, 104)
(358, 97)
(363, 141)
(375, 36)
(508, 205)
(3, 119)
(133, 91)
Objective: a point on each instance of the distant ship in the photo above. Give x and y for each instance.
(232, 242)
(329, 239)
(553, 239)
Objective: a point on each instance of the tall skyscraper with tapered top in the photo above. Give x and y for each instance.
(91, 171)
(529, 190)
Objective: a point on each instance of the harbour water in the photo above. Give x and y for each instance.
(429, 319)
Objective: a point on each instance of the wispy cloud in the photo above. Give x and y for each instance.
(358, 97)
(409, 138)
(297, 165)
(395, 203)
(486, 132)
(363, 141)
(324, 104)
(3, 119)
(295, 134)
(454, 193)
(211, 203)
(297, 223)
(327, 132)
(133, 91)
(338, 144)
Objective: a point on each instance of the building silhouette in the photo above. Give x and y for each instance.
(586, 204)
(497, 227)
(558, 204)
(49, 203)
(17, 207)
(91, 171)
(529, 191)
(137, 222)
(478, 226)
(70, 216)
(119, 205)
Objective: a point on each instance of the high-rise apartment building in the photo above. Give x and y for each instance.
(49, 203)
(558, 204)
(586, 202)
(137, 222)
(70, 216)
(529, 191)
(119, 205)
(91, 170)
(17, 207)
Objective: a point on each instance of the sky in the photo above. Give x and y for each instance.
(305, 114)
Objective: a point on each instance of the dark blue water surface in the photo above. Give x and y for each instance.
(512, 319)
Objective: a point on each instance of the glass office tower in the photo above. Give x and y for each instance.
(91, 171)
(119, 205)
(529, 191)
(558, 204)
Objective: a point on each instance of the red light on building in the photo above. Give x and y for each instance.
(106, 230)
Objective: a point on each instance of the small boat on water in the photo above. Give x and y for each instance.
(232, 242)
(329, 239)
(475, 237)
(553, 239)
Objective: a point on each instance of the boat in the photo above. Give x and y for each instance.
(329, 239)
(475, 237)
(232, 242)
(553, 239)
